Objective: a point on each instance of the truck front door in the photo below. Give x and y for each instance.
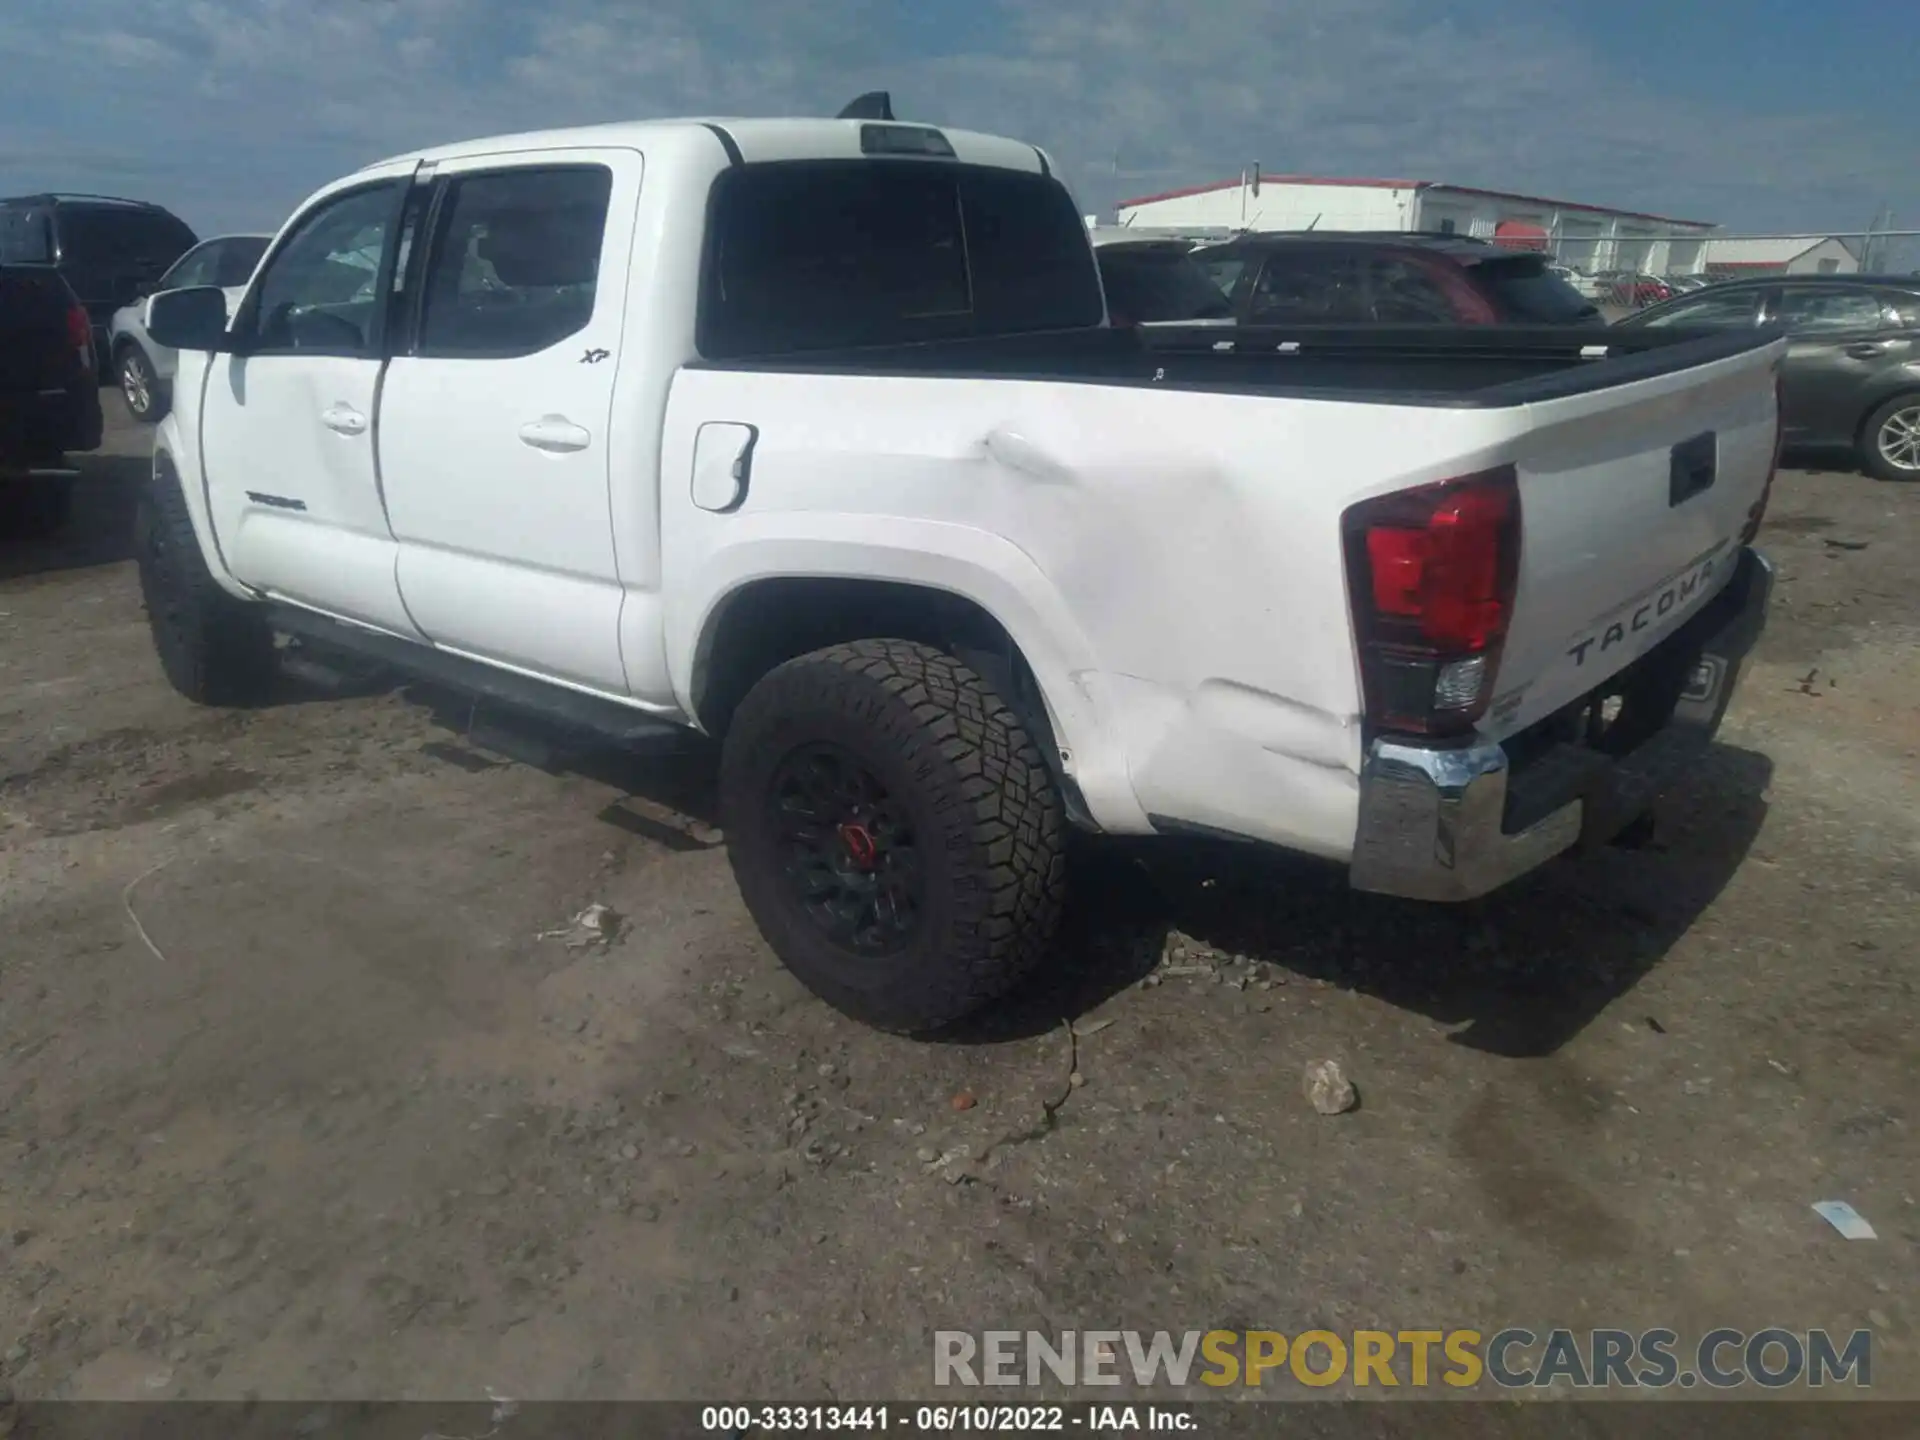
(286, 420)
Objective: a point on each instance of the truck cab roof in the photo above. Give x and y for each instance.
(747, 141)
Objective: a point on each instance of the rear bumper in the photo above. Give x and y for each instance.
(1452, 823)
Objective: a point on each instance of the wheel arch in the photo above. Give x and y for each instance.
(168, 471)
(763, 622)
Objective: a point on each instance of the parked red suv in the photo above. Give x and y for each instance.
(1322, 278)
(1633, 289)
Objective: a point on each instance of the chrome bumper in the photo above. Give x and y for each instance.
(1432, 820)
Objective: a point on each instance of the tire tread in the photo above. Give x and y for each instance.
(967, 747)
(226, 654)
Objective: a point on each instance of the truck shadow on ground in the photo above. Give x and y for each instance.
(669, 789)
(1520, 972)
(100, 530)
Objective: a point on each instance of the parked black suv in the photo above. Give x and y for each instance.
(107, 250)
(49, 398)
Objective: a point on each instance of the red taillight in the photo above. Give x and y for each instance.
(80, 331)
(1432, 573)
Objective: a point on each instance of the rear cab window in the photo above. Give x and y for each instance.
(823, 255)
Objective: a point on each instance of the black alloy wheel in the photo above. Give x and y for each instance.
(851, 856)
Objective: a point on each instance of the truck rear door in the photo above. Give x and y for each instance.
(496, 413)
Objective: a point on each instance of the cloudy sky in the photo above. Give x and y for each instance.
(1761, 114)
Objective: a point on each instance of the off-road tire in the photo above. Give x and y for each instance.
(1872, 459)
(215, 649)
(33, 507)
(988, 820)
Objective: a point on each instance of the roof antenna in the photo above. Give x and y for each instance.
(874, 105)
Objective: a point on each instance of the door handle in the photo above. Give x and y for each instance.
(1868, 349)
(344, 420)
(555, 434)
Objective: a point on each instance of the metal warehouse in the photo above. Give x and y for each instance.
(1587, 237)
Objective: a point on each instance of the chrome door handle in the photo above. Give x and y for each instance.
(555, 434)
(1868, 349)
(344, 420)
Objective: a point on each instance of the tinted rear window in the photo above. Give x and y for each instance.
(25, 237)
(817, 255)
(1527, 291)
(1148, 285)
(103, 235)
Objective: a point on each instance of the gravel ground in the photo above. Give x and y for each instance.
(295, 1101)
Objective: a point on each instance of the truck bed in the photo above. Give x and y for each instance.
(1462, 367)
(1147, 481)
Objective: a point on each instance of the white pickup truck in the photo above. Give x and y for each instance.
(811, 435)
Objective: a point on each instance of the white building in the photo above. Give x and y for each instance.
(1586, 237)
(1782, 255)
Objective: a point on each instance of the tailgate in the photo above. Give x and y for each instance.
(1633, 499)
(35, 348)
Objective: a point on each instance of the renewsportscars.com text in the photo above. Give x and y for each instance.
(1512, 1358)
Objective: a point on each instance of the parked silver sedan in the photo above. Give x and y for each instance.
(144, 369)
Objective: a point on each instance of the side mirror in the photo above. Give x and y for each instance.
(191, 319)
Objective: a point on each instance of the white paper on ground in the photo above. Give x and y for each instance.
(1844, 1218)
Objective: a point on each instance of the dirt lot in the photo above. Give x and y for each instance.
(294, 1102)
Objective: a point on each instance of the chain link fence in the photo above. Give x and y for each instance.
(1624, 272)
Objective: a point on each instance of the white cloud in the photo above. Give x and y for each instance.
(238, 107)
